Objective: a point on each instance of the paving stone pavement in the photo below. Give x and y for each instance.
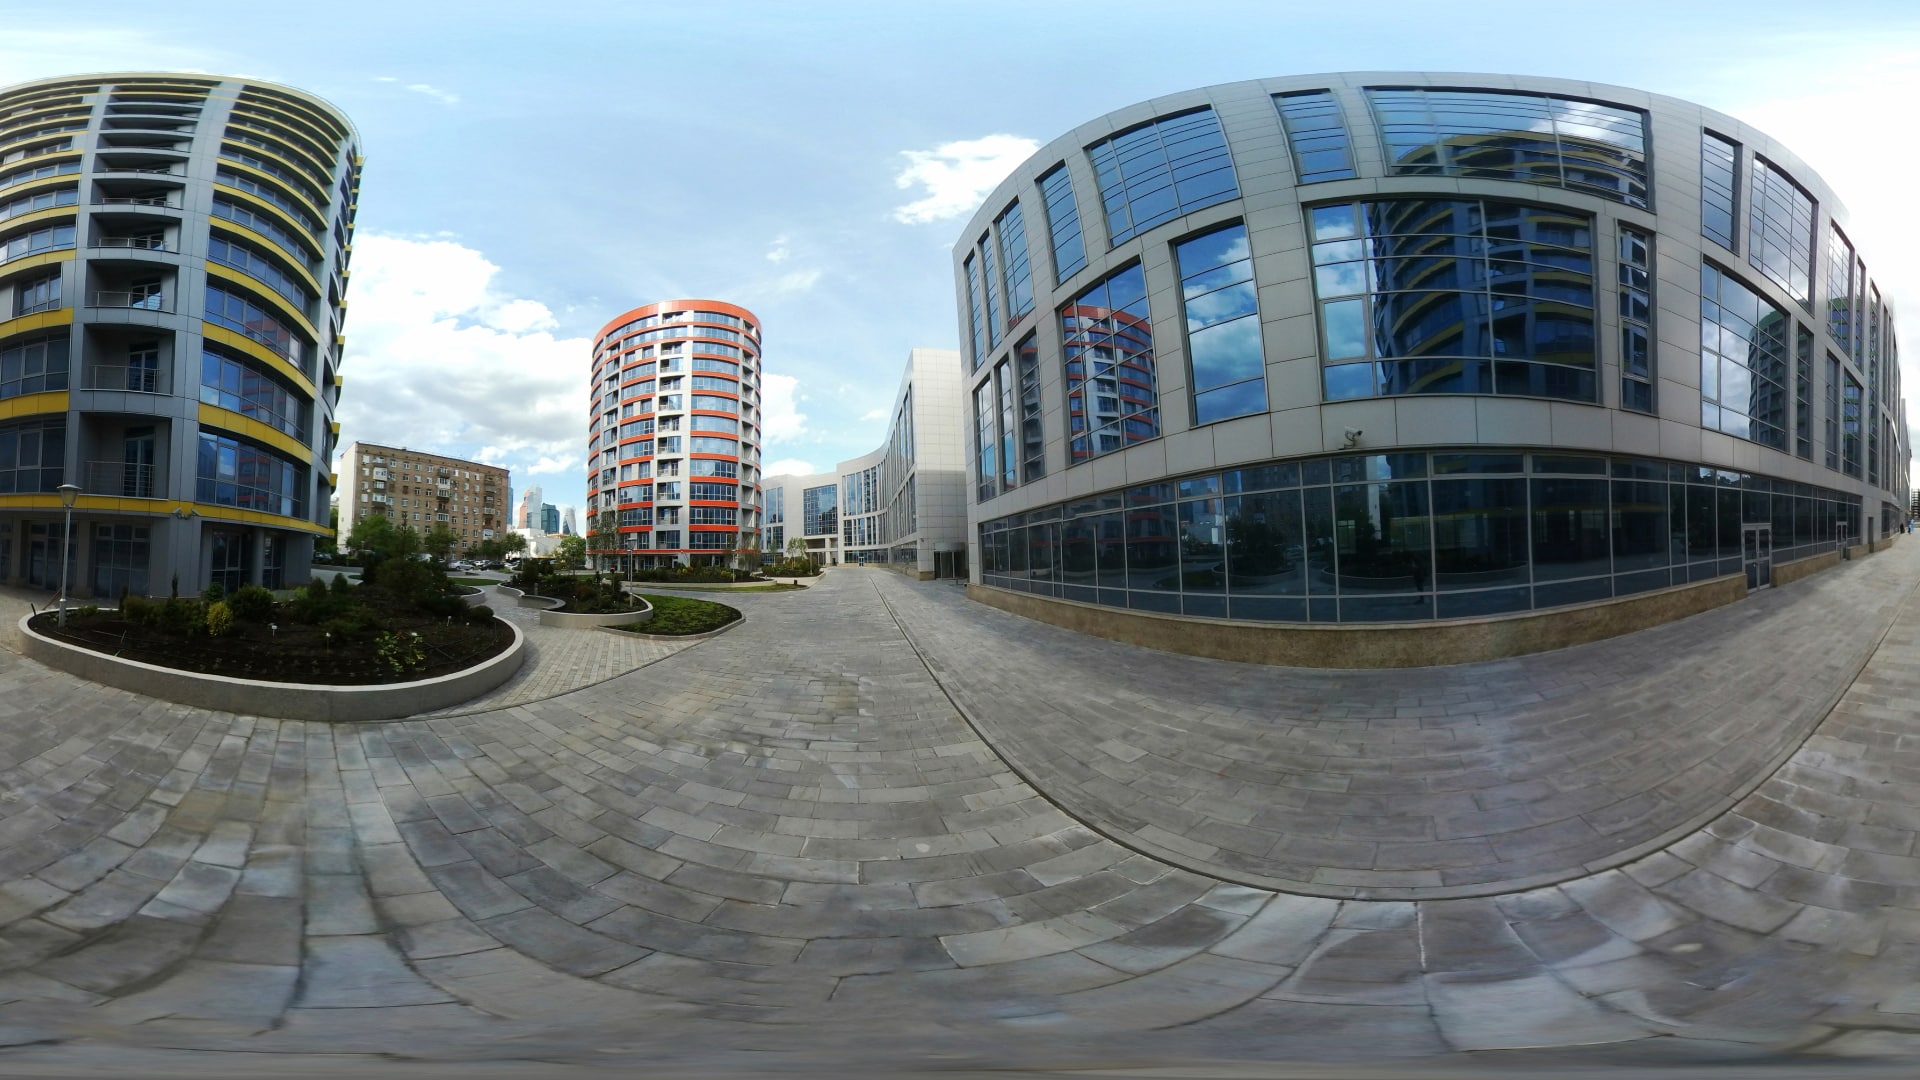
(787, 844)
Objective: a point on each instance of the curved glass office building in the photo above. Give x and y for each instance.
(173, 268)
(673, 437)
(1385, 348)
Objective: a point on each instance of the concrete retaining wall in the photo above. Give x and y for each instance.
(584, 622)
(1375, 645)
(288, 701)
(1789, 572)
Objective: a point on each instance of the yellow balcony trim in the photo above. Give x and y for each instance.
(39, 320)
(33, 262)
(50, 401)
(333, 426)
(339, 380)
(48, 214)
(279, 182)
(270, 209)
(268, 245)
(228, 420)
(220, 335)
(251, 150)
(260, 289)
(28, 187)
(333, 480)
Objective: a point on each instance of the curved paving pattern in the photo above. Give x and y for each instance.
(787, 839)
(1410, 784)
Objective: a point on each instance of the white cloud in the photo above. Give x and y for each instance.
(789, 467)
(957, 175)
(797, 281)
(777, 251)
(872, 415)
(780, 413)
(444, 97)
(438, 360)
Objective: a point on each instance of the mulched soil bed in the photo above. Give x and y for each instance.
(294, 653)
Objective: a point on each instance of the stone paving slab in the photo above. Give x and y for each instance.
(790, 839)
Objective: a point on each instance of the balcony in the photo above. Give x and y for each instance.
(134, 378)
(140, 299)
(134, 243)
(124, 480)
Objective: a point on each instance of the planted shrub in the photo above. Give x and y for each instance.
(219, 619)
(182, 618)
(137, 610)
(251, 603)
(341, 586)
(215, 592)
(479, 613)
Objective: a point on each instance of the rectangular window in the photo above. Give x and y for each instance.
(1719, 189)
(1455, 296)
(986, 443)
(819, 510)
(1004, 389)
(32, 456)
(1113, 397)
(1228, 368)
(976, 311)
(1803, 394)
(1743, 361)
(33, 365)
(1850, 420)
(1843, 299)
(234, 472)
(1011, 226)
(40, 294)
(1033, 460)
(234, 385)
(1161, 170)
(1588, 146)
(1317, 135)
(1780, 230)
(1063, 222)
(988, 278)
(1636, 319)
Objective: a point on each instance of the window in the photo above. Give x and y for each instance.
(32, 365)
(819, 510)
(1850, 420)
(712, 492)
(711, 444)
(1719, 189)
(1446, 296)
(667, 539)
(710, 515)
(1004, 390)
(234, 472)
(1803, 394)
(1317, 135)
(717, 404)
(1012, 229)
(44, 200)
(1063, 222)
(1636, 317)
(1833, 412)
(237, 313)
(1113, 399)
(234, 384)
(1223, 325)
(32, 456)
(1033, 460)
(229, 210)
(40, 294)
(1743, 361)
(703, 422)
(988, 278)
(1843, 294)
(1780, 230)
(1161, 170)
(52, 238)
(257, 266)
(976, 312)
(986, 443)
(1585, 146)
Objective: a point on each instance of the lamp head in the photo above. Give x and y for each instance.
(69, 493)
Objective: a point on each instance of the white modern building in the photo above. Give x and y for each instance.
(903, 505)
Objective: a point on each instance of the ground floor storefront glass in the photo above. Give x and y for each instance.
(1413, 536)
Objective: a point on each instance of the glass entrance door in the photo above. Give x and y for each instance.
(1756, 550)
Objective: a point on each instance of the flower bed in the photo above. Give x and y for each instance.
(681, 616)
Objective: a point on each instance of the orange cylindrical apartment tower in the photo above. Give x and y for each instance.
(673, 438)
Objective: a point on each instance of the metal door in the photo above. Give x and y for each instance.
(1756, 551)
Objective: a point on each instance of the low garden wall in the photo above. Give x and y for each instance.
(287, 701)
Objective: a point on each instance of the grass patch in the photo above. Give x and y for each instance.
(680, 615)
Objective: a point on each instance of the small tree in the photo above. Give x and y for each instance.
(377, 535)
(796, 548)
(571, 552)
(439, 542)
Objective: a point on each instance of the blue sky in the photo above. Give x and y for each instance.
(535, 170)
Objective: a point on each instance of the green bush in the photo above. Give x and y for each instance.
(251, 603)
(87, 611)
(792, 568)
(215, 592)
(138, 610)
(353, 624)
(219, 619)
(182, 618)
(684, 615)
(479, 613)
(341, 586)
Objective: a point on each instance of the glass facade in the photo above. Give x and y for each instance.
(989, 278)
(1317, 136)
(1161, 170)
(819, 510)
(1719, 189)
(1033, 446)
(1842, 298)
(1636, 320)
(1743, 361)
(1063, 223)
(1113, 397)
(234, 472)
(1585, 146)
(32, 365)
(1780, 230)
(1399, 537)
(976, 311)
(1803, 394)
(1227, 366)
(1011, 227)
(1455, 296)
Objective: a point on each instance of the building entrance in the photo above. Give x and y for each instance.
(1756, 551)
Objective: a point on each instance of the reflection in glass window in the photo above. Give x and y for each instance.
(1533, 138)
(987, 281)
(1850, 419)
(1113, 399)
(1833, 412)
(1009, 430)
(1803, 394)
(234, 472)
(1843, 296)
(1161, 170)
(33, 365)
(976, 311)
(1011, 226)
(33, 456)
(1780, 230)
(1317, 135)
(986, 442)
(1719, 189)
(1636, 316)
(1063, 222)
(1223, 325)
(1033, 461)
(1455, 296)
(1743, 361)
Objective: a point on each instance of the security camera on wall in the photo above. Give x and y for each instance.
(1353, 436)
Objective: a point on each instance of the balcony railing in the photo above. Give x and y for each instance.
(123, 480)
(135, 200)
(147, 170)
(143, 300)
(138, 243)
(131, 377)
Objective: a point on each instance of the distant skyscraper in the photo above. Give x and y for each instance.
(528, 515)
(569, 524)
(549, 518)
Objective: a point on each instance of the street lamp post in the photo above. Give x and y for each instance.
(68, 493)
